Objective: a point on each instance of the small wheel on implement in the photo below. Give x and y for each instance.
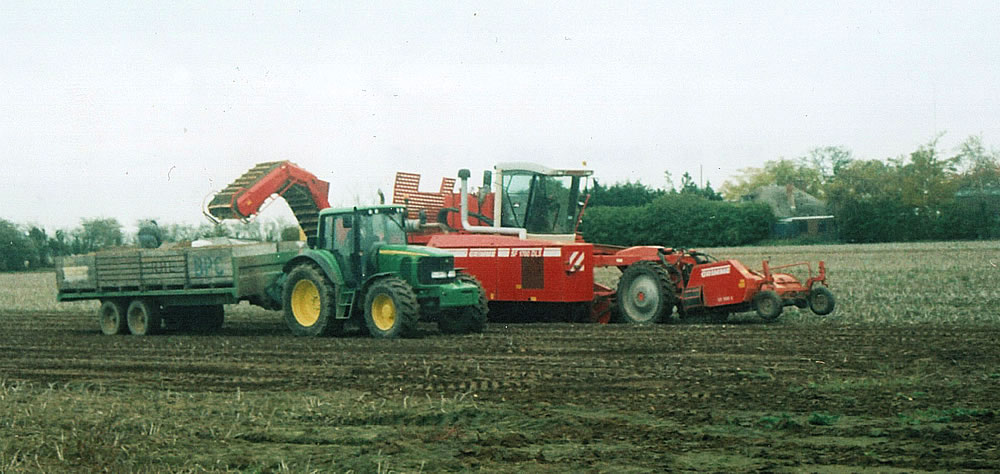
(645, 294)
(112, 318)
(144, 317)
(470, 319)
(310, 303)
(821, 301)
(768, 305)
(391, 308)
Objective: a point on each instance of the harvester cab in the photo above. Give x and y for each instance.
(544, 201)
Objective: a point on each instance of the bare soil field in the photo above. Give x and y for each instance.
(882, 389)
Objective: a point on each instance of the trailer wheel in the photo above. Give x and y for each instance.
(768, 305)
(821, 301)
(310, 303)
(391, 309)
(471, 319)
(645, 294)
(144, 317)
(112, 318)
(208, 318)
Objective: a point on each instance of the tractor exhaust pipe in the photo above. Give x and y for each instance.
(464, 174)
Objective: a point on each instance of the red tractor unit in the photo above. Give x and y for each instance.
(518, 236)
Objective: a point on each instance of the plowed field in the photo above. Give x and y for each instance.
(741, 396)
(903, 377)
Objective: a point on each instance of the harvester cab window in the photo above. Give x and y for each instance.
(539, 203)
(516, 195)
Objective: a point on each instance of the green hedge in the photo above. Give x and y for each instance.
(679, 220)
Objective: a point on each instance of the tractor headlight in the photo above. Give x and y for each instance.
(441, 274)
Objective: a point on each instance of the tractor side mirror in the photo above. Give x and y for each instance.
(348, 222)
(488, 179)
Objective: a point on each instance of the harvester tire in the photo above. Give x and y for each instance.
(470, 319)
(821, 301)
(144, 317)
(310, 302)
(645, 294)
(112, 318)
(768, 305)
(391, 309)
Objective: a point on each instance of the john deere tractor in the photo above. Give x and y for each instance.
(360, 268)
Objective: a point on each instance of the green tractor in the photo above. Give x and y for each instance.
(361, 269)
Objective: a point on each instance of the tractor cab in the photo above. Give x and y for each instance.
(541, 200)
(355, 235)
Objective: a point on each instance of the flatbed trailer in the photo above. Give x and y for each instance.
(143, 291)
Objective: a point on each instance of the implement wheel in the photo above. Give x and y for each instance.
(112, 318)
(391, 309)
(310, 303)
(470, 319)
(645, 294)
(768, 305)
(144, 317)
(821, 301)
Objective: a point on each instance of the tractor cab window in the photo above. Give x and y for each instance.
(541, 204)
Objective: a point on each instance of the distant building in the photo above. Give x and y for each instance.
(799, 213)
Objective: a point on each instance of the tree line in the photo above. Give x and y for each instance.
(25, 247)
(928, 194)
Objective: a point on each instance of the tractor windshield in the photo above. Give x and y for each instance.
(540, 204)
(387, 227)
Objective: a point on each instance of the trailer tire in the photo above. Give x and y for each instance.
(821, 301)
(112, 318)
(144, 317)
(310, 302)
(391, 309)
(470, 319)
(645, 294)
(209, 318)
(768, 305)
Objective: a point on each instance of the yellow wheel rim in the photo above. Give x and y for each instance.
(306, 305)
(383, 312)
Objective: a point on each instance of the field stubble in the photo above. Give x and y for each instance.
(902, 376)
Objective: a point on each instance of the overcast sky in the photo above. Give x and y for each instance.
(141, 109)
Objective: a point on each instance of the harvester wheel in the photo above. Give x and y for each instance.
(310, 302)
(391, 309)
(645, 294)
(112, 318)
(144, 317)
(470, 319)
(768, 305)
(821, 301)
(208, 318)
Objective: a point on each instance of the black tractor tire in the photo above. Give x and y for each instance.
(310, 302)
(768, 305)
(144, 317)
(112, 318)
(470, 319)
(821, 301)
(207, 319)
(646, 294)
(391, 309)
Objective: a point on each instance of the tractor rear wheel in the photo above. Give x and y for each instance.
(310, 302)
(821, 301)
(470, 319)
(112, 318)
(144, 317)
(391, 309)
(768, 305)
(645, 294)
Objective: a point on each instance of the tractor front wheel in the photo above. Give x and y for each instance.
(645, 294)
(768, 305)
(821, 301)
(470, 319)
(112, 318)
(391, 308)
(310, 302)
